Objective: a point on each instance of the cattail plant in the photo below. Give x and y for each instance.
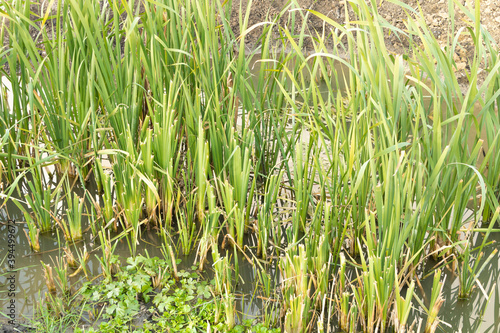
(296, 316)
(24, 57)
(374, 294)
(490, 119)
(41, 198)
(150, 199)
(223, 285)
(228, 300)
(303, 179)
(73, 229)
(49, 278)
(61, 268)
(41, 205)
(62, 96)
(7, 164)
(109, 261)
(70, 258)
(93, 215)
(265, 216)
(33, 235)
(467, 275)
(83, 258)
(402, 306)
(232, 212)
(342, 297)
(129, 195)
(185, 218)
(107, 182)
(242, 189)
(166, 151)
(210, 227)
(222, 269)
(435, 304)
(265, 281)
(321, 267)
(296, 289)
(201, 167)
(171, 256)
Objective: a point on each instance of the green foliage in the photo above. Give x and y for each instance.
(254, 327)
(186, 305)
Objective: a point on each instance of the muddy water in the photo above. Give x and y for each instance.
(270, 67)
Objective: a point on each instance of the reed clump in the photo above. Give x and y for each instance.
(347, 193)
